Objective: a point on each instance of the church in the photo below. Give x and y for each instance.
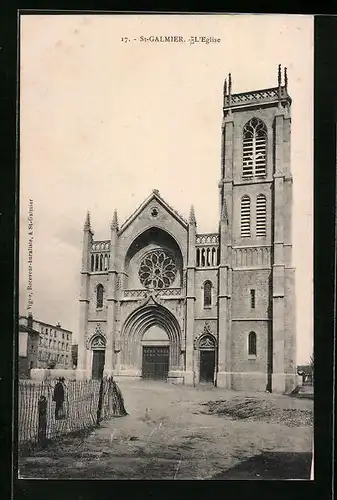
(159, 300)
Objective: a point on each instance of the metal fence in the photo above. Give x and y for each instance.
(85, 404)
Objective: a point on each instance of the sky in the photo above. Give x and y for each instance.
(103, 122)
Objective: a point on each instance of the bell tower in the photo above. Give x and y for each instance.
(257, 339)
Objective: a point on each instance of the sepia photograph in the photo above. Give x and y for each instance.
(166, 247)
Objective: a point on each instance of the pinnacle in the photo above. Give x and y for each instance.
(224, 212)
(87, 225)
(114, 223)
(192, 219)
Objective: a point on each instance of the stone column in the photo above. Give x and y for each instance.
(82, 371)
(289, 289)
(190, 301)
(111, 298)
(223, 378)
(278, 376)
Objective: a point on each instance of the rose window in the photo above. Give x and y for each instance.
(157, 270)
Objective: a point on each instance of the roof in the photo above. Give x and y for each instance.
(24, 328)
(153, 196)
(46, 324)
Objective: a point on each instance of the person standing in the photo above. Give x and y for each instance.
(58, 398)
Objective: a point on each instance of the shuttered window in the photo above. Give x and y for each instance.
(245, 216)
(261, 215)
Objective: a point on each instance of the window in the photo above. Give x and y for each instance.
(67, 336)
(99, 296)
(157, 269)
(252, 299)
(245, 217)
(63, 336)
(254, 149)
(207, 294)
(261, 215)
(252, 344)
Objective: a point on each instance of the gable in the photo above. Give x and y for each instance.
(154, 210)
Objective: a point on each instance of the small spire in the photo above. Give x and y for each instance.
(229, 84)
(87, 225)
(156, 192)
(279, 78)
(224, 92)
(192, 219)
(224, 212)
(285, 79)
(114, 223)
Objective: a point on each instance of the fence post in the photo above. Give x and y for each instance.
(100, 402)
(42, 422)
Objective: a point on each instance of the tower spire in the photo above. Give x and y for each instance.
(279, 82)
(225, 89)
(87, 225)
(192, 219)
(114, 223)
(285, 79)
(229, 92)
(279, 78)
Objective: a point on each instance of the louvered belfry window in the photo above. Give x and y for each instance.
(261, 215)
(254, 154)
(245, 216)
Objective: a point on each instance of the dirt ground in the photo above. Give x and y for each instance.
(179, 432)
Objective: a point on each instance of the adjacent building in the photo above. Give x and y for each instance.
(161, 300)
(28, 346)
(49, 345)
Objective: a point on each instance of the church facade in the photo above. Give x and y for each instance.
(159, 300)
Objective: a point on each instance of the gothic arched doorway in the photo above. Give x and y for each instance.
(98, 357)
(151, 341)
(206, 359)
(156, 354)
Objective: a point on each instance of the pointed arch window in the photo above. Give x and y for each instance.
(254, 149)
(208, 294)
(261, 215)
(245, 216)
(99, 296)
(252, 344)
